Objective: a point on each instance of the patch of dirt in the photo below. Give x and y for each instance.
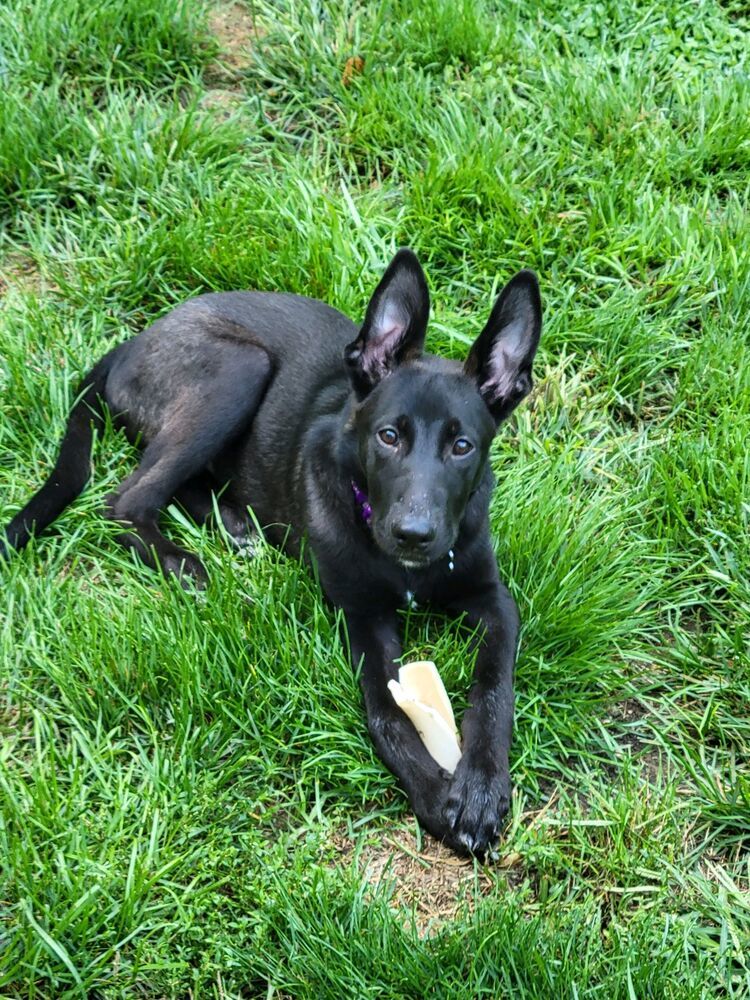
(222, 103)
(15, 722)
(10, 722)
(631, 711)
(428, 877)
(235, 29)
(18, 271)
(628, 710)
(653, 763)
(730, 870)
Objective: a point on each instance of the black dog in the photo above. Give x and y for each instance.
(374, 451)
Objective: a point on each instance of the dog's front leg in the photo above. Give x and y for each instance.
(479, 794)
(374, 643)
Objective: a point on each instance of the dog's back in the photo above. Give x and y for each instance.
(303, 339)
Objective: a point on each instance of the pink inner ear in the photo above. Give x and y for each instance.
(500, 374)
(393, 333)
(382, 344)
(379, 350)
(505, 360)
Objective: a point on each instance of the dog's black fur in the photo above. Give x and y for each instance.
(282, 399)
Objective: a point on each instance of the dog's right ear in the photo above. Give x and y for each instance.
(395, 324)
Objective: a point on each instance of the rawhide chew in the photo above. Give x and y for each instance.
(421, 694)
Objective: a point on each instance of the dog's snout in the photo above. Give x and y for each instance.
(414, 530)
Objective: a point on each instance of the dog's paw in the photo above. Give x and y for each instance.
(428, 805)
(246, 547)
(475, 807)
(237, 525)
(188, 569)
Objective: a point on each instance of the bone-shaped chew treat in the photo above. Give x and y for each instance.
(420, 693)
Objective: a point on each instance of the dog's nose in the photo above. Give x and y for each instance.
(414, 530)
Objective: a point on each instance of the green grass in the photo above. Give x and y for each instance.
(177, 771)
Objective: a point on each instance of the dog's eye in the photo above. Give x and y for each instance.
(388, 436)
(462, 447)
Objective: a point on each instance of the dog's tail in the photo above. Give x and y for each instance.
(71, 471)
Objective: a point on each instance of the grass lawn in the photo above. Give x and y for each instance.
(189, 802)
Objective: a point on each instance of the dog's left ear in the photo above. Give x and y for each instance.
(395, 324)
(501, 357)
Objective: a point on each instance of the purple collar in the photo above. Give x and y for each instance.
(363, 504)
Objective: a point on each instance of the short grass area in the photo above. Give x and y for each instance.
(189, 802)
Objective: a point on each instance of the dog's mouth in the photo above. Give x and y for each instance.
(411, 562)
(411, 558)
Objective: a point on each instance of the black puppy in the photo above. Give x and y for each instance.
(356, 439)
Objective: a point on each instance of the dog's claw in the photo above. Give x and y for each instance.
(245, 548)
(453, 813)
(467, 840)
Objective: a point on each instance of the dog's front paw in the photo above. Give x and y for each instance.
(430, 803)
(476, 804)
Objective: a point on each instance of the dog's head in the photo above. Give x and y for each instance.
(424, 425)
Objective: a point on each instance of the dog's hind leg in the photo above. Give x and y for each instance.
(201, 498)
(195, 428)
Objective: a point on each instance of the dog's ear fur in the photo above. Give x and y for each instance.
(501, 357)
(394, 327)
